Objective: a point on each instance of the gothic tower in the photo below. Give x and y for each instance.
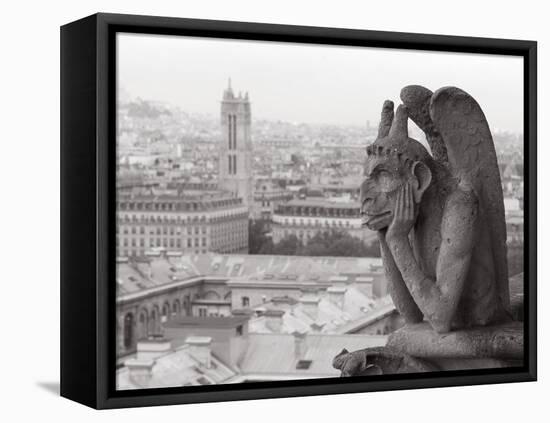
(235, 172)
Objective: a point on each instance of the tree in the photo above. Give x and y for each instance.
(288, 246)
(327, 243)
(257, 236)
(339, 243)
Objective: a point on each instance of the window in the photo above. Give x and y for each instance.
(229, 158)
(229, 131)
(202, 312)
(234, 165)
(234, 133)
(128, 330)
(239, 330)
(245, 301)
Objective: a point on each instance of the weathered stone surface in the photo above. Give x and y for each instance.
(496, 342)
(440, 217)
(516, 296)
(378, 360)
(440, 222)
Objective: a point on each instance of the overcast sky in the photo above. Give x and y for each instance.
(311, 83)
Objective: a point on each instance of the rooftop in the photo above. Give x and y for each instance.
(134, 276)
(210, 322)
(266, 357)
(326, 203)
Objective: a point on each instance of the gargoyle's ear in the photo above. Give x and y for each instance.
(422, 179)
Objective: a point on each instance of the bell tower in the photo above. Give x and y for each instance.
(235, 165)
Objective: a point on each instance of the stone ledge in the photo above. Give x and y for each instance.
(496, 342)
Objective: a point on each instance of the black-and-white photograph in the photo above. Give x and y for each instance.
(292, 211)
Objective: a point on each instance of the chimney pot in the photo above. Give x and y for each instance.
(299, 344)
(274, 320)
(336, 295)
(150, 349)
(311, 306)
(200, 349)
(140, 371)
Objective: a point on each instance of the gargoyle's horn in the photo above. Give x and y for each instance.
(386, 119)
(399, 128)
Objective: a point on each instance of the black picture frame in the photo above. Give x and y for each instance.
(88, 59)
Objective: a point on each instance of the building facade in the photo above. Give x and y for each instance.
(268, 195)
(235, 163)
(167, 286)
(192, 222)
(304, 218)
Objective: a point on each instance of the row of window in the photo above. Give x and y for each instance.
(154, 205)
(141, 252)
(179, 243)
(301, 222)
(318, 211)
(179, 219)
(300, 234)
(165, 230)
(232, 131)
(232, 160)
(158, 242)
(176, 231)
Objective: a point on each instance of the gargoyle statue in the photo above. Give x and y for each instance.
(439, 216)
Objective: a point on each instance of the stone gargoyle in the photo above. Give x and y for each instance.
(440, 215)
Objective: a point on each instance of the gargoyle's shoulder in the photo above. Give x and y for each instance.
(461, 202)
(462, 195)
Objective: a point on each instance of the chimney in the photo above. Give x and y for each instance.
(311, 306)
(200, 349)
(339, 280)
(274, 320)
(336, 295)
(299, 344)
(140, 371)
(364, 283)
(150, 349)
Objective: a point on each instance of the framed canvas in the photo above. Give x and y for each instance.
(257, 211)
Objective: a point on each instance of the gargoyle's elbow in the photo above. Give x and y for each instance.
(441, 325)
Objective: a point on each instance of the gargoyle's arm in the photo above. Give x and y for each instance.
(399, 292)
(438, 300)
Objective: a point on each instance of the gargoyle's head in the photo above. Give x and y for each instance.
(392, 160)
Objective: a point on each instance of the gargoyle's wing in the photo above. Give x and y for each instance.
(417, 99)
(472, 159)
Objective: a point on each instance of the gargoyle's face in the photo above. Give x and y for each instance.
(384, 175)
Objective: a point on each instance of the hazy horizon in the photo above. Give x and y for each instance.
(309, 83)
